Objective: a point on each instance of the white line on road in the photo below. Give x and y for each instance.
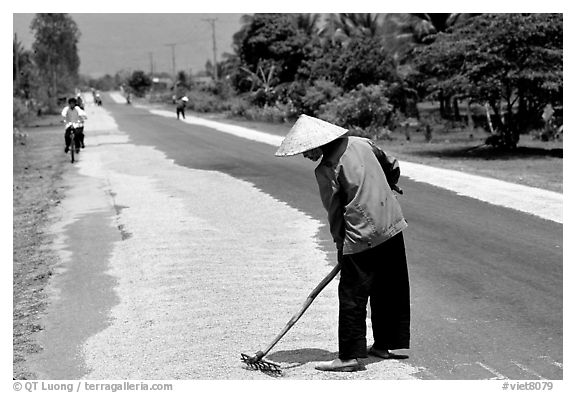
(553, 362)
(490, 369)
(542, 203)
(527, 370)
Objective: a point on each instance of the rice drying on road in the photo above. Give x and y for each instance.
(209, 266)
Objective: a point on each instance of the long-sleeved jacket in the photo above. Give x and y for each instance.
(362, 209)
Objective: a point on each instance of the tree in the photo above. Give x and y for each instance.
(182, 80)
(359, 25)
(307, 23)
(368, 48)
(24, 70)
(140, 83)
(273, 40)
(402, 32)
(55, 51)
(365, 110)
(103, 83)
(342, 28)
(509, 59)
(360, 60)
(239, 36)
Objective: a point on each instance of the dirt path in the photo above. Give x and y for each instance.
(38, 163)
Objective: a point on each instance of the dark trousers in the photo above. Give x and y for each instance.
(79, 137)
(180, 111)
(381, 275)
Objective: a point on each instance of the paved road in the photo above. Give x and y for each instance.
(486, 280)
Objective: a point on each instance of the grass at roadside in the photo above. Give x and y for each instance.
(38, 166)
(534, 163)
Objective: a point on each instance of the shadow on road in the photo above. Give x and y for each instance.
(299, 357)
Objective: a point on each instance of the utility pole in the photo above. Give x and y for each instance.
(151, 63)
(212, 22)
(173, 60)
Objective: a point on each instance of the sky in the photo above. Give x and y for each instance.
(111, 42)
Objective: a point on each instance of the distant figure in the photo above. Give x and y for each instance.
(181, 107)
(96, 97)
(79, 101)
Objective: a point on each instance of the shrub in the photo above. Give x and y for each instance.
(22, 111)
(140, 83)
(365, 110)
(239, 107)
(204, 102)
(160, 96)
(220, 88)
(264, 96)
(320, 93)
(272, 114)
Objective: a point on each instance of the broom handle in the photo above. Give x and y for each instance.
(304, 307)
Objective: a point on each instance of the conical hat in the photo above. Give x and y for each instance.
(308, 133)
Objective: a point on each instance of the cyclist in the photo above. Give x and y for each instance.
(74, 117)
(97, 98)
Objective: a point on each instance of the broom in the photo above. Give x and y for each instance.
(257, 361)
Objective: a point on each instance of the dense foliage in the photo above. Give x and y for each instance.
(512, 62)
(509, 63)
(50, 69)
(273, 41)
(367, 72)
(139, 83)
(365, 110)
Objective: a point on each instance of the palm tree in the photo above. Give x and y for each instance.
(422, 27)
(363, 25)
(18, 52)
(425, 27)
(307, 23)
(344, 27)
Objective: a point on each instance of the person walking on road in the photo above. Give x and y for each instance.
(181, 107)
(73, 116)
(366, 223)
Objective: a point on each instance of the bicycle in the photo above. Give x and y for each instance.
(74, 139)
